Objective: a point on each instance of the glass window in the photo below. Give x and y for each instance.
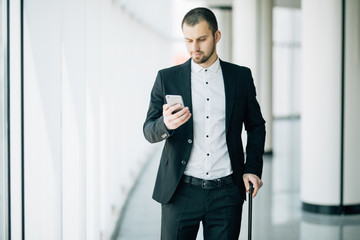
(286, 61)
(3, 123)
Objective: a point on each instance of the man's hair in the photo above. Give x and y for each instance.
(197, 15)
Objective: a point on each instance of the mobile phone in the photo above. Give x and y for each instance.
(171, 100)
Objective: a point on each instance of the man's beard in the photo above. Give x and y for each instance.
(205, 58)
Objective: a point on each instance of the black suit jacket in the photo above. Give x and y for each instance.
(241, 108)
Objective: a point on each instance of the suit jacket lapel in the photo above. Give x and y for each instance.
(229, 85)
(184, 82)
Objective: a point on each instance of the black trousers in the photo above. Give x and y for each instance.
(219, 209)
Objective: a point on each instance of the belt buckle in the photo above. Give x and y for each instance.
(203, 184)
(218, 180)
(207, 184)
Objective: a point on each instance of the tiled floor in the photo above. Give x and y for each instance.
(277, 209)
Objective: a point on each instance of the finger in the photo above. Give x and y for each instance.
(182, 119)
(255, 192)
(257, 187)
(254, 187)
(180, 115)
(166, 110)
(176, 107)
(173, 121)
(247, 185)
(177, 117)
(165, 107)
(181, 112)
(187, 118)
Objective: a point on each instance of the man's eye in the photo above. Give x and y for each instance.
(202, 39)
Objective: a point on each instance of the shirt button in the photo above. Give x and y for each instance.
(207, 116)
(208, 154)
(207, 136)
(189, 141)
(207, 82)
(208, 99)
(183, 162)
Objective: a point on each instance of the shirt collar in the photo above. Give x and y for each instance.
(213, 68)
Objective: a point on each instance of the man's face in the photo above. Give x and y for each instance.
(201, 43)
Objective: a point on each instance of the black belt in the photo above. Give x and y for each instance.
(208, 184)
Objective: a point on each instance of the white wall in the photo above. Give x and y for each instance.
(88, 70)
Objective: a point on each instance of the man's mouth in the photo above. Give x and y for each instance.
(198, 54)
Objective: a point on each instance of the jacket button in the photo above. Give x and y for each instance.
(183, 162)
(189, 141)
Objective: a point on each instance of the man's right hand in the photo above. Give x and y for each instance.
(173, 121)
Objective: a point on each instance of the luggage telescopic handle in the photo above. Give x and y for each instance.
(250, 210)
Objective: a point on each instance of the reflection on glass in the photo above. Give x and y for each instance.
(286, 61)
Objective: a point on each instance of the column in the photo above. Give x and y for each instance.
(224, 17)
(329, 112)
(352, 109)
(252, 47)
(265, 62)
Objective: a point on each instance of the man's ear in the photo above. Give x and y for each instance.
(217, 36)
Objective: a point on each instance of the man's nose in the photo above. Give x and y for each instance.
(196, 46)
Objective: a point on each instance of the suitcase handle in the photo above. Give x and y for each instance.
(250, 210)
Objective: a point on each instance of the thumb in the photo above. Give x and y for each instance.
(166, 107)
(247, 185)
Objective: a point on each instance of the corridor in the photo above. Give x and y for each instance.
(277, 210)
(76, 78)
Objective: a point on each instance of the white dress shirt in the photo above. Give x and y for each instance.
(209, 158)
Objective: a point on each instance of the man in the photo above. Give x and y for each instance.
(202, 176)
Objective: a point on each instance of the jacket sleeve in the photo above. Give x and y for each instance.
(154, 128)
(255, 127)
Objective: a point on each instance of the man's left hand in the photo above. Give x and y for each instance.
(257, 183)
